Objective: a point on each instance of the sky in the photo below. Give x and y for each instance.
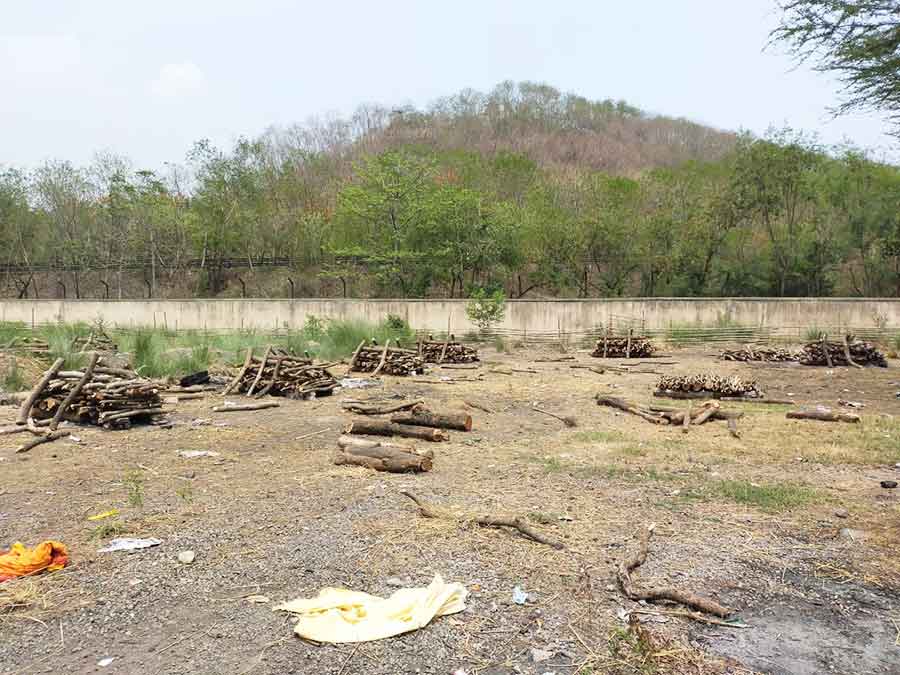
(147, 80)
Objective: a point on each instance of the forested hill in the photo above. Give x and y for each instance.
(522, 188)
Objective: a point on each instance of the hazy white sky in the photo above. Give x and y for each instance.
(148, 79)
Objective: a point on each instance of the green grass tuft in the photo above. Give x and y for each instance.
(12, 378)
(770, 497)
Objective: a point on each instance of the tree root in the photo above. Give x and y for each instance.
(626, 567)
(430, 511)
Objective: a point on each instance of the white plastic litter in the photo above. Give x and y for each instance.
(129, 544)
(520, 597)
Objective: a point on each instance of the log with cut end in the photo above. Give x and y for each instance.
(375, 427)
(25, 410)
(362, 408)
(419, 416)
(823, 416)
(382, 456)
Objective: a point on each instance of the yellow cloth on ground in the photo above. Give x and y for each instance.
(342, 615)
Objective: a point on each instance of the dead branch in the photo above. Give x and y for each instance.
(237, 378)
(688, 599)
(823, 416)
(246, 406)
(73, 393)
(44, 438)
(363, 409)
(259, 372)
(568, 421)
(478, 406)
(625, 406)
(430, 511)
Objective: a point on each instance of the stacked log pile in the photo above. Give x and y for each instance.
(447, 352)
(278, 373)
(409, 420)
(760, 353)
(388, 360)
(94, 395)
(628, 347)
(849, 352)
(707, 385)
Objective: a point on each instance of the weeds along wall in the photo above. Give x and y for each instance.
(682, 318)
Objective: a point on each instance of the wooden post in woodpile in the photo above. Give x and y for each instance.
(73, 393)
(25, 410)
(628, 346)
(446, 342)
(384, 353)
(421, 417)
(376, 427)
(847, 354)
(262, 367)
(606, 342)
(355, 355)
(824, 342)
(237, 378)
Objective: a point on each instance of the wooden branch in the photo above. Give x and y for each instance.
(384, 354)
(262, 367)
(73, 393)
(430, 511)
(363, 409)
(478, 406)
(420, 417)
(355, 355)
(768, 401)
(686, 420)
(614, 402)
(12, 430)
(44, 438)
(824, 342)
(25, 410)
(568, 421)
(377, 427)
(709, 410)
(382, 456)
(271, 384)
(237, 378)
(359, 442)
(823, 416)
(732, 427)
(675, 415)
(629, 565)
(246, 406)
(137, 412)
(847, 354)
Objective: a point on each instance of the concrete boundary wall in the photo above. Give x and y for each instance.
(534, 316)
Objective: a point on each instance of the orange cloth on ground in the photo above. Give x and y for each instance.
(20, 561)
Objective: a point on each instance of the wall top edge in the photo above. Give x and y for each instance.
(444, 300)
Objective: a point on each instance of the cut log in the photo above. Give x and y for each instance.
(105, 418)
(823, 416)
(710, 408)
(421, 417)
(237, 378)
(44, 438)
(384, 353)
(361, 408)
(73, 393)
(345, 442)
(25, 410)
(382, 458)
(625, 406)
(376, 427)
(246, 406)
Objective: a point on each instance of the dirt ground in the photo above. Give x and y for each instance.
(788, 525)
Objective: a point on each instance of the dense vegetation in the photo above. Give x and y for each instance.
(523, 189)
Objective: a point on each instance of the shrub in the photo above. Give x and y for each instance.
(486, 309)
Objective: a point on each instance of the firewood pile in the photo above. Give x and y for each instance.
(628, 347)
(691, 416)
(96, 340)
(388, 360)
(95, 395)
(708, 385)
(447, 352)
(279, 373)
(760, 353)
(846, 353)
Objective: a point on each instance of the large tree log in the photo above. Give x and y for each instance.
(25, 410)
(246, 406)
(359, 442)
(376, 427)
(664, 592)
(382, 456)
(67, 401)
(823, 416)
(421, 417)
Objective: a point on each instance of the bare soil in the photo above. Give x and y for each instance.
(787, 525)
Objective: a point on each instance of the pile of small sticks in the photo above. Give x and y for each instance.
(708, 385)
(278, 373)
(628, 347)
(848, 352)
(97, 340)
(388, 360)
(433, 351)
(760, 353)
(108, 397)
